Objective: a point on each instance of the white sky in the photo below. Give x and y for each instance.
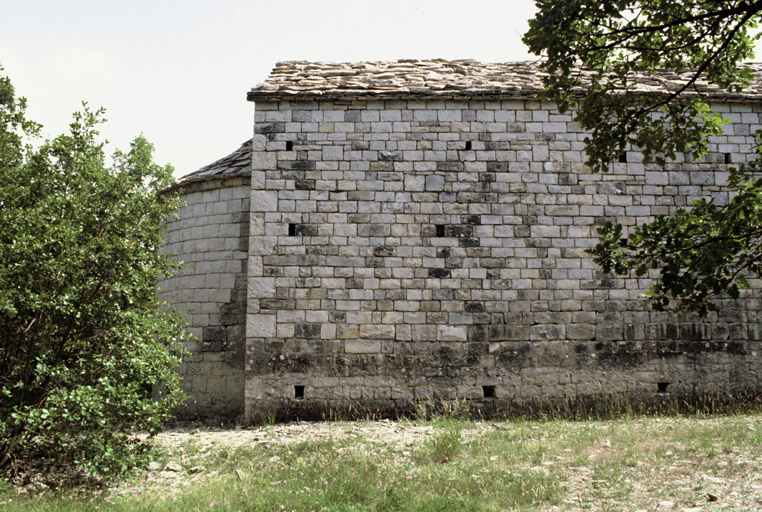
(178, 70)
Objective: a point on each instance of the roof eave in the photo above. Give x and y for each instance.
(402, 95)
(277, 96)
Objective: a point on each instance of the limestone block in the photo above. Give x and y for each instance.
(356, 346)
(434, 183)
(390, 115)
(346, 331)
(260, 326)
(358, 317)
(405, 305)
(290, 315)
(377, 331)
(198, 383)
(425, 115)
(545, 231)
(657, 178)
(609, 332)
(452, 333)
(264, 200)
(261, 287)
(263, 161)
(547, 332)
(415, 183)
(285, 330)
(262, 245)
(217, 386)
(328, 331)
(332, 153)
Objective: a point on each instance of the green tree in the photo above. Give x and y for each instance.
(594, 52)
(84, 343)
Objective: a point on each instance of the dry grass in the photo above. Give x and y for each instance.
(668, 463)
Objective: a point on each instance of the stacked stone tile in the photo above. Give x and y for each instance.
(465, 79)
(210, 234)
(418, 232)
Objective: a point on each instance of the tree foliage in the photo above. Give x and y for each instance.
(593, 52)
(84, 344)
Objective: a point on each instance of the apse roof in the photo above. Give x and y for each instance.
(237, 163)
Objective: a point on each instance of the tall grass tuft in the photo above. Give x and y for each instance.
(443, 447)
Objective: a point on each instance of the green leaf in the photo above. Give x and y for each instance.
(83, 337)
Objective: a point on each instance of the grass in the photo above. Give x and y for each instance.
(447, 464)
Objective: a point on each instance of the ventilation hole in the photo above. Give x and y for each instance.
(289, 145)
(440, 230)
(468, 145)
(728, 158)
(662, 387)
(622, 158)
(298, 391)
(292, 229)
(489, 391)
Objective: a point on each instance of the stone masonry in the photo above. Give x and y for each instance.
(418, 232)
(415, 231)
(210, 235)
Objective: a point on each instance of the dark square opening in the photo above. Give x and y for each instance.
(292, 229)
(622, 158)
(298, 391)
(440, 230)
(289, 145)
(489, 391)
(662, 387)
(728, 158)
(468, 145)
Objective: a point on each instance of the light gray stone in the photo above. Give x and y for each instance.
(362, 346)
(452, 333)
(379, 331)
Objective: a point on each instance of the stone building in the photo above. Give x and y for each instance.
(416, 231)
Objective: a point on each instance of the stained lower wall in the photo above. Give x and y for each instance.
(406, 251)
(210, 235)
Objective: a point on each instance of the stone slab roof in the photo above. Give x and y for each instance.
(302, 80)
(236, 164)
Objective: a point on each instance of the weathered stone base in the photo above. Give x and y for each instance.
(587, 407)
(214, 383)
(504, 379)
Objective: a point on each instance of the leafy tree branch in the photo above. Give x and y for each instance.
(596, 54)
(84, 342)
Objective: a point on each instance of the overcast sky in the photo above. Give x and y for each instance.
(178, 70)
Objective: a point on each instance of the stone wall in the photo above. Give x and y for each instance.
(210, 235)
(416, 250)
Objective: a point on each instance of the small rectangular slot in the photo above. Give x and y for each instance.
(728, 158)
(468, 145)
(489, 391)
(662, 387)
(289, 145)
(292, 229)
(440, 230)
(622, 158)
(298, 391)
